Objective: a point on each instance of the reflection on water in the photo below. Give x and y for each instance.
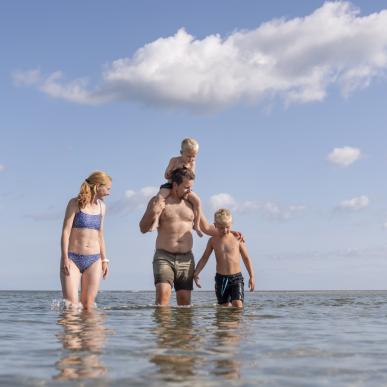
(226, 342)
(209, 347)
(83, 340)
(175, 355)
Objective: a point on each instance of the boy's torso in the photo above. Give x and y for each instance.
(227, 254)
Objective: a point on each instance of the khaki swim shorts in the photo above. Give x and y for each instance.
(175, 269)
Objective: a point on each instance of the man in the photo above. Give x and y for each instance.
(173, 261)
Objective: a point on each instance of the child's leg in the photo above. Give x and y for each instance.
(197, 209)
(161, 196)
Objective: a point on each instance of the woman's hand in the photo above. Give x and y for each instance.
(65, 266)
(105, 269)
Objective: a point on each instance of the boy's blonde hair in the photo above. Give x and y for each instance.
(189, 143)
(222, 216)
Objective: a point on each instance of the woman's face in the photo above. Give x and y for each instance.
(104, 190)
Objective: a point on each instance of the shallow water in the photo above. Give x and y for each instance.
(280, 338)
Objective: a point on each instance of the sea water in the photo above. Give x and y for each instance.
(279, 339)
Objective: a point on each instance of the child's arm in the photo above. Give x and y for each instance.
(170, 168)
(249, 265)
(202, 262)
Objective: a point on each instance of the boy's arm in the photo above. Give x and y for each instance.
(202, 262)
(248, 263)
(154, 209)
(170, 168)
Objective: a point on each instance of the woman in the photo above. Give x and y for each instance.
(83, 258)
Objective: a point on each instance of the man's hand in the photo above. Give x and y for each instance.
(251, 284)
(158, 205)
(196, 279)
(238, 235)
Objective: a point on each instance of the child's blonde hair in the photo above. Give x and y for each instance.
(189, 143)
(222, 216)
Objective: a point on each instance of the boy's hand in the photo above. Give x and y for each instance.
(238, 235)
(251, 284)
(196, 279)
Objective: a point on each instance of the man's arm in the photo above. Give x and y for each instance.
(248, 263)
(202, 262)
(207, 228)
(153, 211)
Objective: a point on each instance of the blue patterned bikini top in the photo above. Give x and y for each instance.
(83, 220)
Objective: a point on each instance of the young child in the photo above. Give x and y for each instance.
(188, 152)
(228, 251)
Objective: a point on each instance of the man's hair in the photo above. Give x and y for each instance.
(179, 174)
(222, 216)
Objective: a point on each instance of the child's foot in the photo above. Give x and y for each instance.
(198, 231)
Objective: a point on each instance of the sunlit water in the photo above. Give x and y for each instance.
(279, 339)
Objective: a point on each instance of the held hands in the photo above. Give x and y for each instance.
(158, 205)
(251, 284)
(196, 279)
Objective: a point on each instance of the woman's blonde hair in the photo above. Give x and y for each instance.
(89, 187)
(189, 143)
(222, 216)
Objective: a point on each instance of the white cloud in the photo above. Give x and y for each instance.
(344, 156)
(385, 225)
(355, 204)
(296, 60)
(222, 200)
(133, 200)
(2, 167)
(268, 209)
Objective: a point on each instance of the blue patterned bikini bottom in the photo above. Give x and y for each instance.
(83, 261)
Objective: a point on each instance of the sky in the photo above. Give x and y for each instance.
(288, 101)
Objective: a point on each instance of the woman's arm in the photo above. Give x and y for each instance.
(71, 210)
(105, 261)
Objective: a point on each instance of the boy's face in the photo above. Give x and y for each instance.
(188, 155)
(224, 227)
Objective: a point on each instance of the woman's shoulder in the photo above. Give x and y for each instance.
(73, 202)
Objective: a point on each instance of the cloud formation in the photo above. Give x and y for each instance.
(133, 200)
(267, 209)
(355, 204)
(296, 60)
(344, 156)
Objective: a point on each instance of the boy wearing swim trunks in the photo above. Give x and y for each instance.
(228, 251)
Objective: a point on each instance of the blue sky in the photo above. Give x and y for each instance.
(287, 101)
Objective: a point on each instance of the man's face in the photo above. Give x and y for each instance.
(183, 189)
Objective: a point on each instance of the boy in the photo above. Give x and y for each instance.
(188, 152)
(228, 250)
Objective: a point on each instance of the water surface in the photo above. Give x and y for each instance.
(280, 338)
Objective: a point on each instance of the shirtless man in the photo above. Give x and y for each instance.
(173, 261)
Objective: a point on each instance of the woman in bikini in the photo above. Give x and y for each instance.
(83, 260)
